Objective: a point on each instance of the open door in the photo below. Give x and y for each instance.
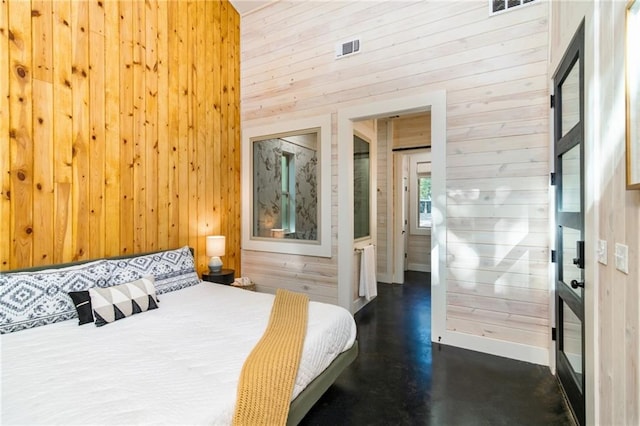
(400, 219)
(568, 104)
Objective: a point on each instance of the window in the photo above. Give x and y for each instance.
(502, 5)
(303, 146)
(288, 192)
(424, 201)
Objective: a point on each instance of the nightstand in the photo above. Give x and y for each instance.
(225, 276)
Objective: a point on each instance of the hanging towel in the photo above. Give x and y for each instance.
(368, 283)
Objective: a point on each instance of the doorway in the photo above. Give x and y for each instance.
(568, 104)
(435, 102)
(412, 215)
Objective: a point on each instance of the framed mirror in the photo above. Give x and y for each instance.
(286, 187)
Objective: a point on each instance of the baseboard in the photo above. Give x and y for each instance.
(521, 352)
(384, 278)
(419, 267)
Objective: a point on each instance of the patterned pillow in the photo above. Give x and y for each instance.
(172, 269)
(113, 303)
(32, 299)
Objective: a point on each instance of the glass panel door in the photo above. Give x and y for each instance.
(569, 166)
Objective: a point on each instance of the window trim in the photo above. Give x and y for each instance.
(509, 9)
(320, 247)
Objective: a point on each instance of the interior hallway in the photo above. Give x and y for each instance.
(400, 377)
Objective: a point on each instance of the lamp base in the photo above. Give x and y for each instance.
(215, 264)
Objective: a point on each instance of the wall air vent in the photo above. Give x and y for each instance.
(347, 48)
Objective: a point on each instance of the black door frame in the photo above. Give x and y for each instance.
(573, 386)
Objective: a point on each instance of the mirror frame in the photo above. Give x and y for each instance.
(320, 247)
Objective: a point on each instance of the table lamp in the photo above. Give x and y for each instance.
(215, 249)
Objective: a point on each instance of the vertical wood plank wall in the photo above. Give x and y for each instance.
(119, 129)
(613, 212)
(494, 70)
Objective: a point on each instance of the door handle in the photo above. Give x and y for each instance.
(579, 260)
(576, 284)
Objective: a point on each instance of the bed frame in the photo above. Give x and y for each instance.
(305, 400)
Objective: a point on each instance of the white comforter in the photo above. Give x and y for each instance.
(178, 364)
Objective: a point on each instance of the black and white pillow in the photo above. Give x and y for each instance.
(82, 302)
(32, 299)
(113, 303)
(172, 269)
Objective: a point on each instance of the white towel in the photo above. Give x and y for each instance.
(368, 283)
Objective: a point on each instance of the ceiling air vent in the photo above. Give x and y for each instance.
(347, 48)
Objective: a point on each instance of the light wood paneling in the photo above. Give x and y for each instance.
(80, 191)
(43, 201)
(494, 69)
(20, 137)
(63, 120)
(5, 152)
(110, 125)
(112, 129)
(412, 131)
(151, 149)
(383, 243)
(97, 125)
(612, 310)
(419, 253)
(163, 143)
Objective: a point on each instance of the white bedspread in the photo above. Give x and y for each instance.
(178, 364)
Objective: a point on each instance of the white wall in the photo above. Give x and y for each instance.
(613, 214)
(494, 70)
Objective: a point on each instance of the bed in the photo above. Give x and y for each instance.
(178, 364)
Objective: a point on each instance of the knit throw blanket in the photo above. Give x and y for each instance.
(269, 373)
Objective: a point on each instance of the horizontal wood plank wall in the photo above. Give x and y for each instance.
(385, 224)
(494, 71)
(419, 252)
(119, 129)
(412, 130)
(612, 305)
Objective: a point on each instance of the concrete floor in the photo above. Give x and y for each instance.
(401, 378)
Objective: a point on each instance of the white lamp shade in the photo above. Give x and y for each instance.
(215, 245)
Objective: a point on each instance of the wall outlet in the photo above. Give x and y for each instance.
(622, 258)
(602, 251)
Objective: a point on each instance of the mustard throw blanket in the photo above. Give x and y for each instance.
(269, 373)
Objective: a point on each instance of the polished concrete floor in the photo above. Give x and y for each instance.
(401, 378)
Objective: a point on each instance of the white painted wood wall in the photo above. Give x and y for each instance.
(384, 253)
(612, 298)
(494, 69)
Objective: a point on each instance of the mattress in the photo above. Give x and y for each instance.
(178, 364)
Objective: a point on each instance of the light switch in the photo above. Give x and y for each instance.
(622, 258)
(602, 251)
